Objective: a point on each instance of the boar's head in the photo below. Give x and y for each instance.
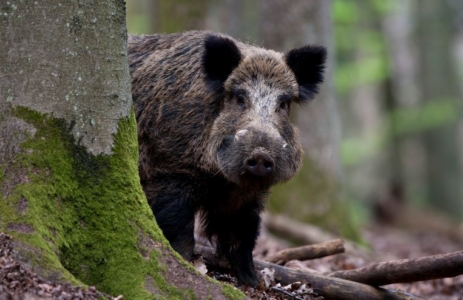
(252, 139)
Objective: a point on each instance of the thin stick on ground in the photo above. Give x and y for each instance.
(307, 234)
(308, 252)
(406, 270)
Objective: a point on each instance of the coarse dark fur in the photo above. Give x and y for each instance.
(214, 133)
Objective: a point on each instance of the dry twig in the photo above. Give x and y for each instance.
(306, 234)
(308, 252)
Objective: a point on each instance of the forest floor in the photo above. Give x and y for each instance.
(387, 243)
(18, 282)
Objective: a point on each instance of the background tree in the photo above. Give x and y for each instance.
(71, 196)
(437, 77)
(397, 78)
(315, 194)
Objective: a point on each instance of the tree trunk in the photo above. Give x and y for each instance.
(314, 195)
(439, 85)
(408, 157)
(310, 23)
(71, 196)
(237, 18)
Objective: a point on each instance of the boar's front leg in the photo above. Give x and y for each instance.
(168, 198)
(236, 237)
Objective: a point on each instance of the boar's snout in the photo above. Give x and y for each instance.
(257, 156)
(259, 163)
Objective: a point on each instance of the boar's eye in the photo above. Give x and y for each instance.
(240, 97)
(285, 102)
(284, 105)
(241, 101)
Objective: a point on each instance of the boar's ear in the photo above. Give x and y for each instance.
(307, 64)
(221, 56)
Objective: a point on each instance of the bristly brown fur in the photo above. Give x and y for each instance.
(214, 133)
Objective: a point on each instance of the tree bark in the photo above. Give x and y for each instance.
(71, 196)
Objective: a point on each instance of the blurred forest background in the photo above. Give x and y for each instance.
(385, 136)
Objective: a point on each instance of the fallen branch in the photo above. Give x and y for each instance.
(333, 288)
(308, 252)
(407, 270)
(306, 234)
(329, 287)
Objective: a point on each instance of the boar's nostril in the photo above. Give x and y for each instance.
(268, 164)
(251, 162)
(259, 164)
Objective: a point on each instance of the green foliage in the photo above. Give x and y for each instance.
(345, 12)
(400, 122)
(369, 70)
(139, 24)
(433, 114)
(383, 7)
(353, 37)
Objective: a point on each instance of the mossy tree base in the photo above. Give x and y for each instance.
(84, 219)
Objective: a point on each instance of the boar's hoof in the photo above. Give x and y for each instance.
(248, 279)
(259, 164)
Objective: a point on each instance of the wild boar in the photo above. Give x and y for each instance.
(215, 134)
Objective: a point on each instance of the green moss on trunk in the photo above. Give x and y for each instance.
(85, 217)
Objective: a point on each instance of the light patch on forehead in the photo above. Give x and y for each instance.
(263, 97)
(264, 103)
